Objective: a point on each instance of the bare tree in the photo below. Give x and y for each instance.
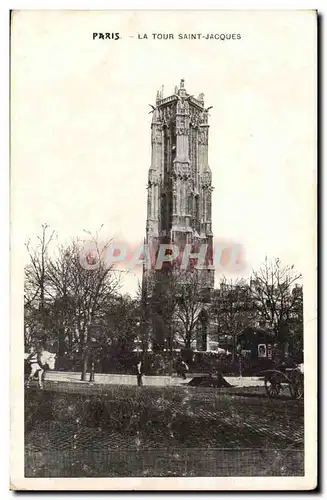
(189, 304)
(60, 279)
(233, 309)
(271, 289)
(161, 308)
(36, 286)
(84, 292)
(145, 304)
(122, 320)
(176, 307)
(35, 271)
(295, 322)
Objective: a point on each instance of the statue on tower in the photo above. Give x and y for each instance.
(182, 83)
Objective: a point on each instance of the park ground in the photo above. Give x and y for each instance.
(100, 430)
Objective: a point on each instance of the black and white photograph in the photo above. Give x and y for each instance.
(163, 250)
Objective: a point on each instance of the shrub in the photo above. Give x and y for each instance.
(164, 363)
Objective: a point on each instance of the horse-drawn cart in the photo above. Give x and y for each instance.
(279, 377)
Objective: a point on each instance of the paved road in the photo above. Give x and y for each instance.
(113, 379)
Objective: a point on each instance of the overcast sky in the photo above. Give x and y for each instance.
(81, 129)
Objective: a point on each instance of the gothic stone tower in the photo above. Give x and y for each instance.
(179, 182)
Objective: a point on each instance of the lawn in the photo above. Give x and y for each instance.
(154, 431)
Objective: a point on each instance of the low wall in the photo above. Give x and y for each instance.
(112, 379)
(151, 380)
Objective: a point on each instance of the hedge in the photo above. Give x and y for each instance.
(166, 363)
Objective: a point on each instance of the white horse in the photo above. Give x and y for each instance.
(45, 359)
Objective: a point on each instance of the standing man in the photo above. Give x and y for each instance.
(139, 368)
(184, 369)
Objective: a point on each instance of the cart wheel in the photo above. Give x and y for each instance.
(272, 386)
(296, 385)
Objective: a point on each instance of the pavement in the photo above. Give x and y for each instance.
(154, 380)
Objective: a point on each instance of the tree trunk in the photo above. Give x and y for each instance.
(61, 342)
(85, 365)
(188, 343)
(170, 337)
(85, 355)
(204, 337)
(70, 340)
(233, 348)
(240, 361)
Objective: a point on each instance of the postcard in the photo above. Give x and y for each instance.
(163, 186)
